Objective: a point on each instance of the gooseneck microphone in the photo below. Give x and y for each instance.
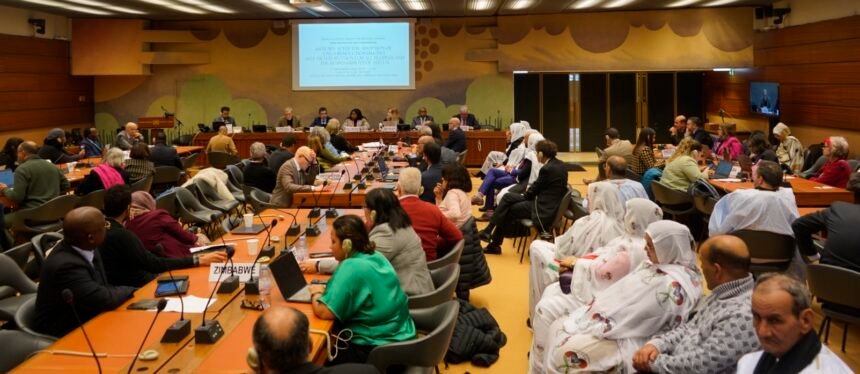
(315, 211)
(181, 328)
(210, 331)
(332, 212)
(232, 282)
(295, 228)
(69, 298)
(252, 286)
(348, 183)
(161, 305)
(312, 229)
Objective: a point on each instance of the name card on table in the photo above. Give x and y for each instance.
(392, 128)
(283, 129)
(353, 129)
(242, 269)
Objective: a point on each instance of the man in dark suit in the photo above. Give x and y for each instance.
(433, 174)
(697, 132)
(296, 175)
(284, 153)
(322, 119)
(76, 265)
(421, 118)
(126, 261)
(162, 154)
(540, 202)
(467, 119)
(456, 137)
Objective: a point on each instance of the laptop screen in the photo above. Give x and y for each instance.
(7, 177)
(724, 169)
(383, 168)
(287, 274)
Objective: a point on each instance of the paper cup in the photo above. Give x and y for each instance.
(253, 245)
(249, 219)
(71, 166)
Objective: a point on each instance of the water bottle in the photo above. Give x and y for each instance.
(301, 250)
(265, 284)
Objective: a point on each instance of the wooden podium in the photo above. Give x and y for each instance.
(155, 123)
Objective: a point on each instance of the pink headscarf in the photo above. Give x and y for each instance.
(141, 203)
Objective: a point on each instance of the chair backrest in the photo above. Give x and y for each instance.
(452, 257)
(13, 276)
(220, 160)
(632, 175)
(166, 175)
(52, 211)
(21, 254)
(144, 184)
(25, 318)
(44, 243)
(827, 283)
(565, 201)
(189, 161)
(768, 248)
(445, 281)
(204, 190)
(186, 200)
(461, 158)
(704, 204)
(95, 199)
(666, 195)
(18, 346)
(234, 175)
(427, 350)
(167, 201)
(259, 200)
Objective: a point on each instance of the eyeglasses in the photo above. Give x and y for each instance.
(253, 305)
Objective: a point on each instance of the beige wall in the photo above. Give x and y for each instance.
(809, 11)
(13, 21)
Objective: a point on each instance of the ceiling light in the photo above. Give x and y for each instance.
(618, 3)
(482, 4)
(322, 8)
(681, 3)
(106, 6)
(208, 6)
(720, 2)
(69, 7)
(381, 5)
(174, 6)
(520, 4)
(415, 4)
(274, 5)
(582, 4)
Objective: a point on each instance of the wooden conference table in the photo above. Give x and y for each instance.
(807, 193)
(119, 332)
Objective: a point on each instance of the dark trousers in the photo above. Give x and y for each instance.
(512, 208)
(353, 354)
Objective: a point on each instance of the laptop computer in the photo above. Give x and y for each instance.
(290, 279)
(386, 174)
(7, 177)
(723, 170)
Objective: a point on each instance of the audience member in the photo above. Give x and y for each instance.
(326, 158)
(421, 118)
(616, 172)
(517, 170)
(730, 147)
(257, 173)
(290, 120)
(321, 119)
(106, 175)
(296, 175)
(678, 131)
(783, 321)
(163, 154)
(643, 153)
(138, 165)
(155, 226)
(128, 137)
(126, 261)
(497, 159)
(447, 156)
(337, 140)
(539, 203)
(9, 157)
(839, 221)
(682, 168)
(36, 181)
(456, 137)
(720, 332)
(789, 151)
(54, 151)
(436, 132)
(697, 132)
(466, 118)
(437, 232)
(356, 119)
(452, 193)
(224, 117)
(529, 170)
(393, 115)
(614, 147)
(759, 148)
(222, 143)
(836, 171)
(433, 174)
(606, 332)
(364, 294)
(285, 152)
(91, 144)
(282, 344)
(75, 265)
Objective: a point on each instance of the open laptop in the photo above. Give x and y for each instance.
(723, 170)
(290, 279)
(7, 177)
(386, 174)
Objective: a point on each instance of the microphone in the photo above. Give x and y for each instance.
(232, 282)
(295, 228)
(161, 305)
(252, 286)
(69, 298)
(348, 183)
(210, 331)
(181, 328)
(332, 212)
(315, 211)
(268, 249)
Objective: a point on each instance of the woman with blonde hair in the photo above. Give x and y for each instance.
(790, 150)
(682, 168)
(336, 139)
(326, 158)
(393, 115)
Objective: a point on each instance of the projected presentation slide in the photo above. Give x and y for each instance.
(343, 56)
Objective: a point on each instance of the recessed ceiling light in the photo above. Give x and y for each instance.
(520, 4)
(415, 4)
(482, 4)
(619, 3)
(681, 3)
(720, 2)
(381, 5)
(174, 6)
(106, 6)
(206, 5)
(582, 4)
(74, 8)
(274, 5)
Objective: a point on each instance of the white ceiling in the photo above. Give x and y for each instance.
(271, 9)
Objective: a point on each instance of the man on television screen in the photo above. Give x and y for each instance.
(764, 103)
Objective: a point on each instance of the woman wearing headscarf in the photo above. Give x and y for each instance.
(496, 159)
(656, 297)
(588, 233)
(526, 176)
(497, 178)
(156, 226)
(790, 150)
(598, 270)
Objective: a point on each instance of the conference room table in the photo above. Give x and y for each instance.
(807, 193)
(118, 333)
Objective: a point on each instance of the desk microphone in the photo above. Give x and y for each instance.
(210, 331)
(232, 282)
(268, 249)
(69, 298)
(161, 305)
(181, 328)
(252, 286)
(332, 212)
(348, 183)
(295, 228)
(315, 211)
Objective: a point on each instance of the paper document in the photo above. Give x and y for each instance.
(205, 247)
(193, 304)
(729, 180)
(373, 145)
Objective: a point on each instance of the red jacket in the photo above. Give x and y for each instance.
(158, 226)
(834, 173)
(435, 230)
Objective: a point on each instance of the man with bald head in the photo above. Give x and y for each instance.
(128, 137)
(456, 137)
(76, 265)
(91, 144)
(282, 344)
(783, 321)
(296, 175)
(36, 181)
(678, 131)
(721, 330)
(448, 155)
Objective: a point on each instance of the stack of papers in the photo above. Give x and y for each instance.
(373, 145)
(193, 304)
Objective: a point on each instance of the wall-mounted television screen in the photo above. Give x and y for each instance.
(764, 98)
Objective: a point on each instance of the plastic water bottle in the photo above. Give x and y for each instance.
(301, 250)
(265, 284)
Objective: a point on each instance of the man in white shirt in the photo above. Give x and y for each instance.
(783, 321)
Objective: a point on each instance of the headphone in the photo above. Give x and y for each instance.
(346, 246)
(253, 360)
(373, 212)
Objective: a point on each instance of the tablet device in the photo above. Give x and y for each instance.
(177, 287)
